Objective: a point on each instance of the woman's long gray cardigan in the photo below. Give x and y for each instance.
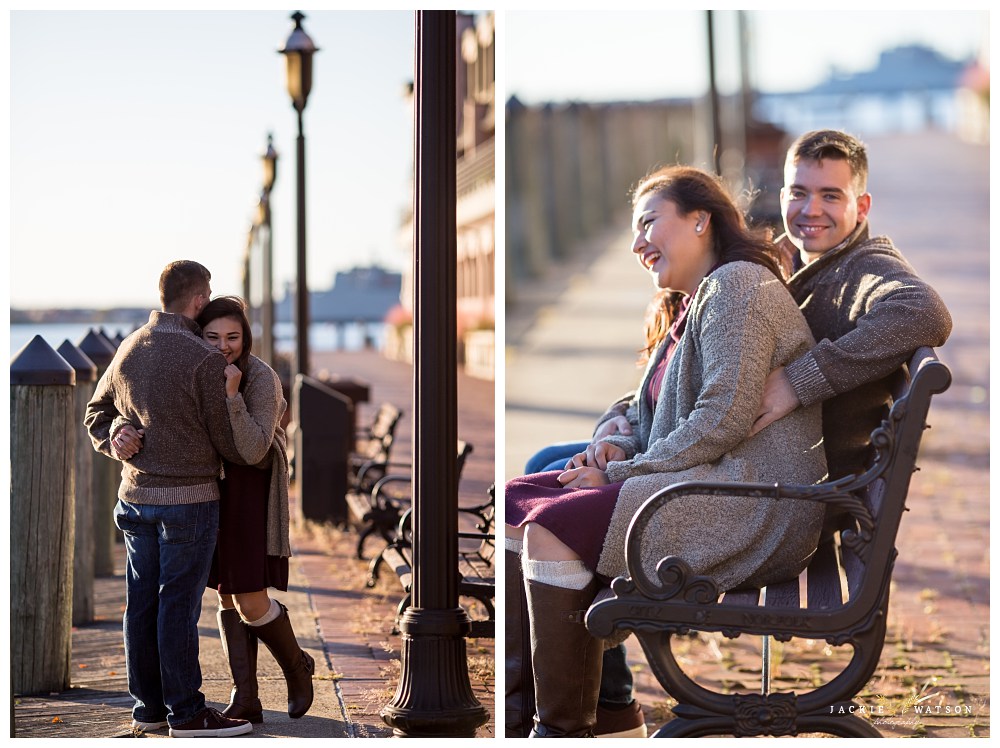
(255, 415)
(742, 324)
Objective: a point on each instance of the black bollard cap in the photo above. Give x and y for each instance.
(111, 341)
(97, 348)
(86, 370)
(37, 363)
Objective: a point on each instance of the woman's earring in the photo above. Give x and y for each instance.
(697, 228)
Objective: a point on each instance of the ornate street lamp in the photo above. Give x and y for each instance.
(298, 52)
(270, 162)
(434, 696)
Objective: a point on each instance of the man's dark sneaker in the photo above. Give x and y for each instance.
(148, 726)
(210, 723)
(620, 723)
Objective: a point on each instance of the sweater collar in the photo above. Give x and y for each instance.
(171, 321)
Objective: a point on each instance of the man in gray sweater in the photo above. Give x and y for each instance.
(169, 382)
(863, 301)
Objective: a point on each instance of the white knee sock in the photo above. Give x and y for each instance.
(513, 544)
(572, 575)
(273, 612)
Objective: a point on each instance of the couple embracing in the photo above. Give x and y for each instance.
(194, 418)
(764, 362)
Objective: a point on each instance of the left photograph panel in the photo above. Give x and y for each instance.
(252, 341)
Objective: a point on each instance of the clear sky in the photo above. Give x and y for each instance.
(604, 55)
(136, 135)
(136, 139)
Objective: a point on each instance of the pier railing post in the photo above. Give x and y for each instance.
(83, 546)
(434, 697)
(105, 472)
(42, 459)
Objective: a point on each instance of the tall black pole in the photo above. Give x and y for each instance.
(301, 287)
(713, 95)
(434, 697)
(267, 300)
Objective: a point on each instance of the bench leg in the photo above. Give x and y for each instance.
(700, 711)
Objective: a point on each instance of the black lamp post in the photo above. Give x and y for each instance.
(298, 52)
(270, 161)
(434, 696)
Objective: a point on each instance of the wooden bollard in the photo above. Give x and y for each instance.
(42, 459)
(83, 547)
(106, 473)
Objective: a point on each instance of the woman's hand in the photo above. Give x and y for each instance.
(583, 476)
(597, 456)
(233, 376)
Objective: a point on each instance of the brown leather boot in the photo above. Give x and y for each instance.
(565, 660)
(240, 647)
(297, 666)
(519, 685)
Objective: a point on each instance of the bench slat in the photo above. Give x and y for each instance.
(823, 590)
(783, 594)
(741, 597)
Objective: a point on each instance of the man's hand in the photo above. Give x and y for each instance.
(127, 442)
(778, 401)
(597, 456)
(233, 376)
(612, 426)
(583, 476)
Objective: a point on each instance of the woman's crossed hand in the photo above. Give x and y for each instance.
(597, 456)
(583, 476)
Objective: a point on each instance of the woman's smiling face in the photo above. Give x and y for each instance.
(226, 334)
(674, 248)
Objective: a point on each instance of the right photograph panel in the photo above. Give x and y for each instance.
(747, 262)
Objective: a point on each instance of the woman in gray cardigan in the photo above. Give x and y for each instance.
(252, 550)
(722, 322)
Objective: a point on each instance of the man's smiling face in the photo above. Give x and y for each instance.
(821, 204)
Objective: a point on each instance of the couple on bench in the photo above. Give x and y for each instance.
(736, 388)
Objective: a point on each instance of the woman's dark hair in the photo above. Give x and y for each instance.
(235, 307)
(692, 189)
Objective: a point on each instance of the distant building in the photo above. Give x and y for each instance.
(912, 88)
(363, 294)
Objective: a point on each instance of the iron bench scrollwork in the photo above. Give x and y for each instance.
(476, 570)
(677, 602)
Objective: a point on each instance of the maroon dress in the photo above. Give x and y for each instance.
(579, 517)
(241, 563)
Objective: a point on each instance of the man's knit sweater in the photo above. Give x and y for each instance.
(869, 311)
(168, 381)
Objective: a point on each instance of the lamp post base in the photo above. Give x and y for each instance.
(434, 697)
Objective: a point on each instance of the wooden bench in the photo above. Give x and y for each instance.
(476, 570)
(377, 511)
(862, 555)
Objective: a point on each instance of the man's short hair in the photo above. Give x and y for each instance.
(819, 144)
(180, 281)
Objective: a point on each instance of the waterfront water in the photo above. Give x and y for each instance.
(322, 336)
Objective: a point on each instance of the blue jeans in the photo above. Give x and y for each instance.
(169, 555)
(553, 457)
